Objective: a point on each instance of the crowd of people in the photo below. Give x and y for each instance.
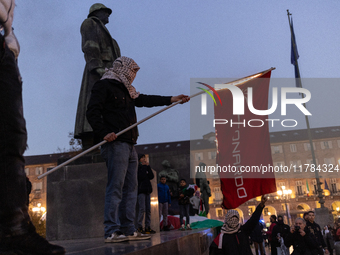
(145, 175)
(303, 237)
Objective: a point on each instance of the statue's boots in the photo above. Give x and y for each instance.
(30, 243)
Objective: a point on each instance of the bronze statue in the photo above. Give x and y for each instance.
(171, 176)
(100, 50)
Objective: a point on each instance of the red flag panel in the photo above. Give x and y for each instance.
(243, 144)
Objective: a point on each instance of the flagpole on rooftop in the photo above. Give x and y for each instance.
(294, 61)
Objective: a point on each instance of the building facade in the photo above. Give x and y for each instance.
(35, 166)
(296, 191)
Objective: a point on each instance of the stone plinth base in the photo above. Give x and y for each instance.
(75, 202)
(323, 217)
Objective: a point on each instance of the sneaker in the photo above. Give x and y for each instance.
(140, 230)
(188, 227)
(138, 236)
(148, 230)
(182, 228)
(116, 237)
(30, 243)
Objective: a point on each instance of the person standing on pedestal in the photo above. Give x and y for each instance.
(112, 109)
(145, 175)
(164, 201)
(100, 51)
(205, 194)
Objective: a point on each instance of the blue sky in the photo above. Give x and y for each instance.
(172, 41)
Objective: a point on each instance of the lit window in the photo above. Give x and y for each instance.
(212, 154)
(39, 170)
(199, 156)
(293, 147)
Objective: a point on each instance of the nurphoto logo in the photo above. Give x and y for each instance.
(239, 98)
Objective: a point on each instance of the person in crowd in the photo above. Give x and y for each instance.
(145, 174)
(315, 229)
(337, 231)
(195, 202)
(328, 238)
(280, 230)
(303, 241)
(184, 201)
(234, 237)
(256, 237)
(273, 222)
(17, 233)
(305, 216)
(164, 201)
(111, 109)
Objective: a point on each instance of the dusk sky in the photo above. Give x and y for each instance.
(172, 41)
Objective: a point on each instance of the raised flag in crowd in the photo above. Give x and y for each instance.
(242, 145)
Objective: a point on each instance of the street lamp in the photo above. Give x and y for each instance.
(39, 209)
(284, 193)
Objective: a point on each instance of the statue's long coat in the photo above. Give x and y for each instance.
(100, 50)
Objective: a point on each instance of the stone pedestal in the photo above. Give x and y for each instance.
(75, 202)
(323, 217)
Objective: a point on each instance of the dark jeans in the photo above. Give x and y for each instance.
(273, 248)
(14, 217)
(184, 211)
(144, 207)
(121, 189)
(163, 210)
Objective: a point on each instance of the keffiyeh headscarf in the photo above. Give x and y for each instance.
(124, 70)
(231, 222)
(231, 225)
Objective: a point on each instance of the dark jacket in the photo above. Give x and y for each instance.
(145, 174)
(328, 238)
(256, 234)
(303, 245)
(237, 243)
(270, 231)
(281, 228)
(100, 50)
(163, 193)
(315, 229)
(188, 193)
(111, 109)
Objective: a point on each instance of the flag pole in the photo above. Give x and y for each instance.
(145, 119)
(299, 84)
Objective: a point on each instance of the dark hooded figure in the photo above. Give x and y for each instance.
(280, 229)
(234, 237)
